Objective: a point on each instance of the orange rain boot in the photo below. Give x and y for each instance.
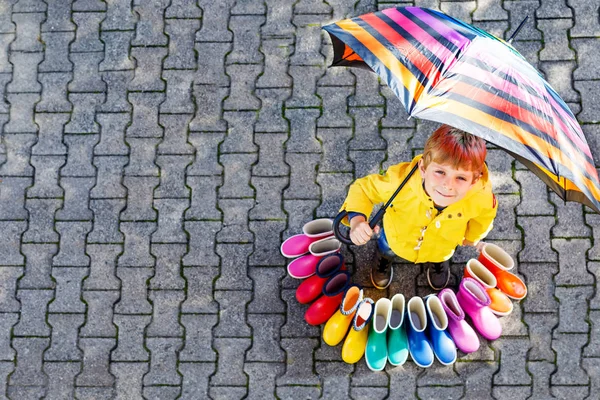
(499, 262)
(501, 304)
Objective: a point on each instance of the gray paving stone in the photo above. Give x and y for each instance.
(594, 267)
(333, 187)
(553, 9)
(211, 63)
(5, 77)
(276, 51)
(29, 6)
(7, 321)
(366, 137)
(266, 233)
(148, 61)
(94, 393)
(265, 338)
(86, 75)
(116, 51)
(87, 38)
(572, 311)
(477, 376)
(176, 135)
(54, 95)
(56, 54)
(305, 95)
(118, 16)
(149, 28)
(572, 262)
(235, 221)
(68, 290)
(41, 228)
(556, 45)
(302, 131)
(540, 290)
(165, 306)
(46, 177)
(505, 222)
(396, 139)
(145, 115)
(588, 91)
(308, 41)
(299, 212)
(206, 144)
(28, 370)
(179, 92)
(161, 392)
(89, 5)
(50, 134)
(130, 343)
(199, 290)
(168, 266)
(302, 185)
(183, 9)
(163, 358)
(512, 370)
(24, 77)
(534, 199)
(64, 343)
(462, 10)
(128, 379)
(215, 16)
(139, 198)
(555, 72)
(295, 326)
(28, 31)
(170, 221)
(592, 349)
(335, 113)
(293, 391)
(568, 349)
(584, 22)
(270, 118)
(232, 310)
(9, 242)
(246, 42)
(72, 244)
(366, 162)
(591, 366)
(243, 78)
(198, 334)
(33, 309)
(536, 249)
(96, 357)
(261, 378)
(247, 7)
(61, 379)
(99, 313)
(133, 291)
(21, 113)
(76, 200)
(116, 95)
(571, 222)
(279, 17)
(335, 157)
(80, 154)
(227, 392)
(5, 369)
(366, 92)
(202, 243)
(298, 356)
(137, 244)
(106, 221)
(172, 189)
(102, 268)
(570, 392)
(82, 119)
(18, 150)
(204, 198)
(37, 268)
(541, 372)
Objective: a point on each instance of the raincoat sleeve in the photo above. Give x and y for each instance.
(372, 189)
(480, 226)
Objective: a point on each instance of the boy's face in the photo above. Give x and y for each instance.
(445, 184)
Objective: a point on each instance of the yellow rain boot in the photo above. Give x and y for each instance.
(337, 326)
(356, 341)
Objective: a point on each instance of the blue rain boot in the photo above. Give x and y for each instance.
(397, 340)
(443, 345)
(376, 351)
(418, 345)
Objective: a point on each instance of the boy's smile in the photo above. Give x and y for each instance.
(445, 184)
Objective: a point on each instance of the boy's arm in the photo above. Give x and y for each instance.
(480, 226)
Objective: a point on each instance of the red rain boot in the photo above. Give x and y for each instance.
(333, 292)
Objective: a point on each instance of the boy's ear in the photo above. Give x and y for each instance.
(421, 168)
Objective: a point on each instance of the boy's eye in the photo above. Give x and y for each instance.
(439, 172)
(462, 178)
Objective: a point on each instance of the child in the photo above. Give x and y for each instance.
(448, 203)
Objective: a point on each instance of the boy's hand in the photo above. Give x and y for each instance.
(360, 231)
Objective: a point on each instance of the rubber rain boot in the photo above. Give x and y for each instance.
(499, 262)
(333, 291)
(312, 287)
(354, 346)
(474, 300)
(444, 348)
(376, 351)
(418, 345)
(500, 303)
(337, 326)
(461, 332)
(397, 341)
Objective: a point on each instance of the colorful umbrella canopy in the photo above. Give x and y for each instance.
(447, 71)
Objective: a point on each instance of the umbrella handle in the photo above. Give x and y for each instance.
(337, 222)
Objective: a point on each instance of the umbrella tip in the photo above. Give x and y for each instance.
(514, 35)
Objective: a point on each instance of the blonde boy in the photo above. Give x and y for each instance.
(447, 204)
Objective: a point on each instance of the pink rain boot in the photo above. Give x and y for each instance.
(474, 300)
(463, 335)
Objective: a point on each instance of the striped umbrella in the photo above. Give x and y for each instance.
(447, 71)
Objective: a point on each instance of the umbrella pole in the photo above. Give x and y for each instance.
(512, 37)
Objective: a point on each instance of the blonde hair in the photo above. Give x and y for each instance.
(452, 146)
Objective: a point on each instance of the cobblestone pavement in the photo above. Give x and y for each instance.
(154, 155)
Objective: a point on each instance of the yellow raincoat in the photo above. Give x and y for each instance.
(414, 229)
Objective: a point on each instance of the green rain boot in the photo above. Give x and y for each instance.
(397, 341)
(376, 351)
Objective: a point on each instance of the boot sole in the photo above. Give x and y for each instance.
(382, 287)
